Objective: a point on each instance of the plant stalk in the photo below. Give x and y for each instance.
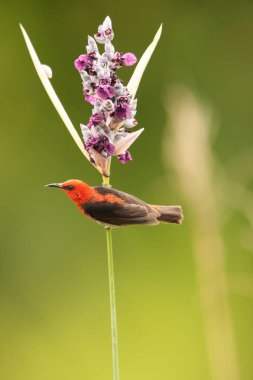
(115, 357)
(114, 331)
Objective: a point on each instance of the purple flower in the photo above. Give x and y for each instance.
(90, 99)
(100, 144)
(122, 111)
(90, 142)
(93, 55)
(105, 91)
(108, 147)
(123, 100)
(96, 118)
(117, 61)
(104, 145)
(108, 130)
(124, 157)
(114, 78)
(129, 59)
(82, 62)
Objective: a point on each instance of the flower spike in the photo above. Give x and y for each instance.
(108, 131)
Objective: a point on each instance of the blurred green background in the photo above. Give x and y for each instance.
(54, 312)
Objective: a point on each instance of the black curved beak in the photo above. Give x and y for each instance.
(59, 185)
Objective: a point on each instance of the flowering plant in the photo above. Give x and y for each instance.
(108, 131)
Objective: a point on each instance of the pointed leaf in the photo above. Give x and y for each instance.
(134, 82)
(52, 95)
(125, 142)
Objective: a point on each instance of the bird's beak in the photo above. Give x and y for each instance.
(59, 185)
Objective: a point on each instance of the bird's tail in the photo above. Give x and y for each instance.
(170, 214)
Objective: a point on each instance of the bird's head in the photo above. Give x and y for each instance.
(76, 190)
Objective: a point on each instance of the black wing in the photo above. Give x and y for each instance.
(124, 196)
(132, 211)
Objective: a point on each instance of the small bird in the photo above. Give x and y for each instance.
(114, 208)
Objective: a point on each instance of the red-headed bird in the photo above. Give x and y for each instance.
(114, 208)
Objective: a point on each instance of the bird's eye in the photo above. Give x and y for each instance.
(69, 187)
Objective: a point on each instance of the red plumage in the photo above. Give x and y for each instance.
(115, 208)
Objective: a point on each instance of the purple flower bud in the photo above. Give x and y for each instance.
(109, 148)
(105, 91)
(82, 62)
(90, 142)
(96, 118)
(123, 100)
(101, 145)
(93, 55)
(124, 157)
(90, 99)
(117, 61)
(122, 111)
(113, 78)
(129, 59)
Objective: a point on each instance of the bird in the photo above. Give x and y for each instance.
(114, 208)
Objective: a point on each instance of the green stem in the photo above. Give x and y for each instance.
(115, 358)
(114, 332)
(106, 175)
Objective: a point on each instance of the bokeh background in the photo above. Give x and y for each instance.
(54, 311)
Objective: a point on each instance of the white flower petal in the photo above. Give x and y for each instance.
(52, 95)
(125, 142)
(92, 45)
(85, 131)
(130, 123)
(134, 82)
(107, 24)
